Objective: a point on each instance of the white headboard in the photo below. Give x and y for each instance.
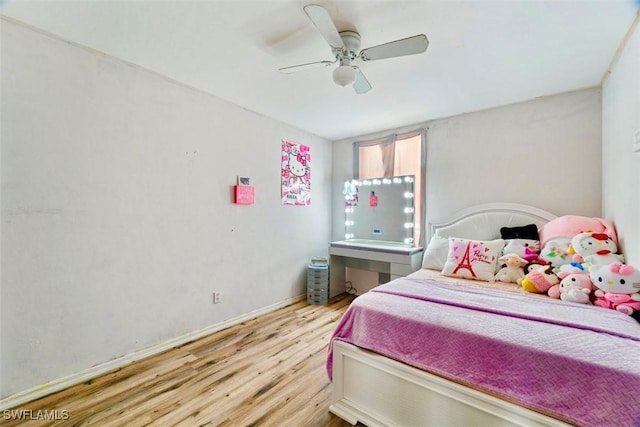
(483, 222)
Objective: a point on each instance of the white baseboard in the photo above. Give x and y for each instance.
(103, 368)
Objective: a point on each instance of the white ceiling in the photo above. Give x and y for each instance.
(482, 54)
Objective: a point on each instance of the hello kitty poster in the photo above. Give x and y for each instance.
(296, 174)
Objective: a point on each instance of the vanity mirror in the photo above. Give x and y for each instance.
(380, 209)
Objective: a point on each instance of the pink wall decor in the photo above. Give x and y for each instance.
(295, 174)
(243, 194)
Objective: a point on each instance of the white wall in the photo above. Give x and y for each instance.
(545, 153)
(620, 165)
(113, 240)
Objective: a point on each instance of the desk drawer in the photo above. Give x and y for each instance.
(318, 286)
(365, 264)
(317, 297)
(314, 275)
(402, 269)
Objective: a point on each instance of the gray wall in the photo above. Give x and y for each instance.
(621, 165)
(545, 153)
(113, 239)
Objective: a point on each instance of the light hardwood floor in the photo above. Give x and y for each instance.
(268, 371)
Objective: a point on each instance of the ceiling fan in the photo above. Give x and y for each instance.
(345, 46)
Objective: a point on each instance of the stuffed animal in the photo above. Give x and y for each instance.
(562, 272)
(513, 271)
(575, 287)
(594, 248)
(539, 280)
(535, 264)
(618, 287)
(529, 231)
(573, 267)
(568, 226)
(556, 252)
(524, 248)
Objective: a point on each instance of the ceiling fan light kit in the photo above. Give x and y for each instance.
(344, 75)
(345, 46)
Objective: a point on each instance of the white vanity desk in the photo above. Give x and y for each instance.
(391, 260)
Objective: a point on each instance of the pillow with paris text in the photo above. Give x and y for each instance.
(473, 259)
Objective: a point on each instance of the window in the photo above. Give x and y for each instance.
(391, 156)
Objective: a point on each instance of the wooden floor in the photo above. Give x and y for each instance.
(268, 371)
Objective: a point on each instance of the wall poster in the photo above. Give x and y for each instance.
(296, 174)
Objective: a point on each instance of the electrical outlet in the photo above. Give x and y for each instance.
(216, 297)
(636, 141)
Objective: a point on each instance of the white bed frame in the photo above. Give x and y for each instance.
(378, 391)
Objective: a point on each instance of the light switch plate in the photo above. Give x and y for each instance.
(636, 141)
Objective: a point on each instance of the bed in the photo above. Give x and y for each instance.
(430, 350)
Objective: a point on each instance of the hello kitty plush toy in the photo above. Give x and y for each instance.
(594, 248)
(618, 287)
(525, 248)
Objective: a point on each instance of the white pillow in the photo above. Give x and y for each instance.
(473, 259)
(435, 256)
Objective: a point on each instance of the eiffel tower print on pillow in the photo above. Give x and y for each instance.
(473, 259)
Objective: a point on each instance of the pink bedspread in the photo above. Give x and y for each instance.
(578, 363)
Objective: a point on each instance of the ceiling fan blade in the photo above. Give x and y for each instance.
(402, 47)
(323, 22)
(305, 67)
(361, 84)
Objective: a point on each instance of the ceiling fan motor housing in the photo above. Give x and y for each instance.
(351, 41)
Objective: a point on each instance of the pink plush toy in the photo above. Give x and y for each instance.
(570, 225)
(556, 235)
(618, 287)
(513, 271)
(539, 280)
(562, 272)
(575, 287)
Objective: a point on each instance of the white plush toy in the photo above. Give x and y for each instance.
(575, 287)
(556, 251)
(513, 271)
(524, 248)
(594, 248)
